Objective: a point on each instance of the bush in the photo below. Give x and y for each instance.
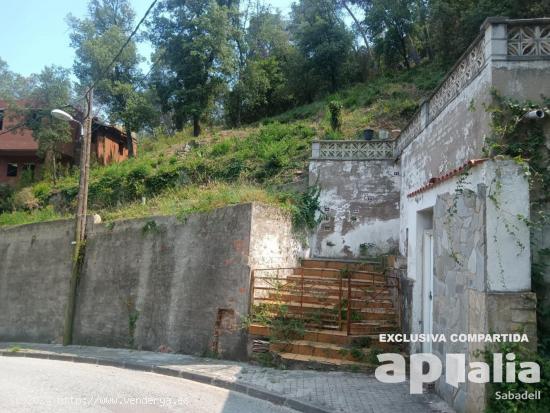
(335, 109)
(6, 198)
(24, 200)
(42, 191)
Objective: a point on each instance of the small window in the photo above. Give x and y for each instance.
(12, 169)
(121, 149)
(1, 119)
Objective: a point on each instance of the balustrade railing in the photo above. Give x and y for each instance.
(353, 150)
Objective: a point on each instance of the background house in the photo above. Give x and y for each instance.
(19, 150)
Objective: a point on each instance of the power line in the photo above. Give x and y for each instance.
(19, 125)
(104, 71)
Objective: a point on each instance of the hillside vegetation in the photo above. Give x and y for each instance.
(181, 174)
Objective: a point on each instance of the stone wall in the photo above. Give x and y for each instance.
(459, 273)
(145, 283)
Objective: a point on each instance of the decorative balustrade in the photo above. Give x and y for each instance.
(529, 40)
(466, 70)
(353, 150)
(524, 39)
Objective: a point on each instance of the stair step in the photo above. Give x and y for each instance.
(338, 264)
(355, 282)
(327, 361)
(332, 301)
(337, 273)
(311, 348)
(337, 337)
(334, 286)
(331, 290)
(376, 328)
(296, 306)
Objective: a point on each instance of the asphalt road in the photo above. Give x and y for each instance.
(34, 385)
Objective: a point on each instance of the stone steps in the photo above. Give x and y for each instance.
(313, 294)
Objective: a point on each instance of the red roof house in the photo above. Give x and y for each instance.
(19, 150)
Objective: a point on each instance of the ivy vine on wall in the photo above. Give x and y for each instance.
(515, 136)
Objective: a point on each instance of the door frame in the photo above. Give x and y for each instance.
(427, 286)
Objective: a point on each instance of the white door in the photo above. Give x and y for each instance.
(427, 287)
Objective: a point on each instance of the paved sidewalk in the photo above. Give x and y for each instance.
(303, 390)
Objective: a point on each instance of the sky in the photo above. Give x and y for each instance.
(38, 35)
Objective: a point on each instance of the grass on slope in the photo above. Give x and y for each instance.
(178, 174)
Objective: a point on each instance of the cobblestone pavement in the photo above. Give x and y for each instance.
(328, 391)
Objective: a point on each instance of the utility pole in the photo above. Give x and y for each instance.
(81, 212)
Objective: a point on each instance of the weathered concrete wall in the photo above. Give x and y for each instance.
(273, 242)
(145, 283)
(173, 280)
(35, 266)
(451, 139)
(360, 201)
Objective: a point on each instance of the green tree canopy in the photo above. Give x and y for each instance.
(323, 40)
(52, 90)
(196, 40)
(97, 39)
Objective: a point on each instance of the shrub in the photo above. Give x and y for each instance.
(6, 198)
(24, 200)
(42, 192)
(335, 108)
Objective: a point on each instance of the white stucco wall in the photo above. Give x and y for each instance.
(360, 204)
(507, 263)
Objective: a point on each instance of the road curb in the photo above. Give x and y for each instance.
(249, 390)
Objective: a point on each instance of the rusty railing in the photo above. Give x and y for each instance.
(290, 293)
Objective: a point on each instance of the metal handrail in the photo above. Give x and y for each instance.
(298, 288)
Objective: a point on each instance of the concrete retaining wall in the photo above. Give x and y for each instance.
(145, 283)
(35, 266)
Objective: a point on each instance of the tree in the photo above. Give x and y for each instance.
(358, 25)
(13, 86)
(323, 40)
(52, 89)
(97, 39)
(389, 23)
(262, 88)
(195, 38)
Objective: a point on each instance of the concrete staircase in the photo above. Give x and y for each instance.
(342, 305)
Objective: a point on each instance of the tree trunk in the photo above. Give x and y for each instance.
(196, 126)
(129, 141)
(361, 31)
(54, 169)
